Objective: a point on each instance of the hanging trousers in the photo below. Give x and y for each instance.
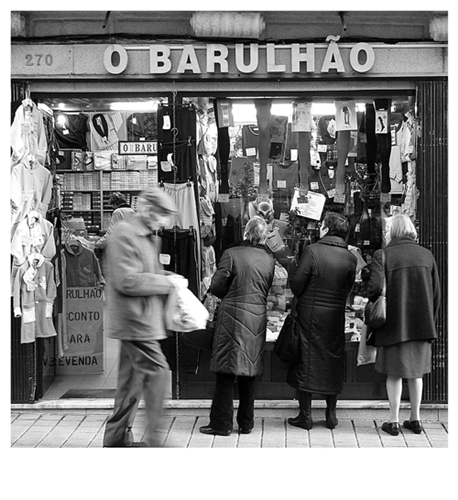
(222, 409)
(142, 372)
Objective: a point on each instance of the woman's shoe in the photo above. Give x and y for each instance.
(391, 428)
(331, 419)
(303, 420)
(245, 431)
(206, 429)
(413, 425)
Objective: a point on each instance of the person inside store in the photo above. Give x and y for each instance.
(136, 288)
(321, 282)
(412, 304)
(121, 210)
(242, 281)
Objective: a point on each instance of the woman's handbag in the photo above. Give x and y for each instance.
(203, 339)
(286, 346)
(366, 353)
(375, 311)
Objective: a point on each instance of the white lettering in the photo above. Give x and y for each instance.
(333, 59)
(354, 57)
(240, 59)
(188, 61)
(297, 57)
(159, 59)
(108, 59)
(213, 59)
(272, 67)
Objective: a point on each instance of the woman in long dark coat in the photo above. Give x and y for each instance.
(321, 284)
(242, 280)
(412, 302)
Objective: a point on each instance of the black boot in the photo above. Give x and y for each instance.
(331, 416)
(304, 419)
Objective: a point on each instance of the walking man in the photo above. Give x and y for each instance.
(136, 290)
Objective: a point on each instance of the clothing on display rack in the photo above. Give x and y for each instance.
(28, 134)
(71, 130)
(34, 294)
(106, 130)
(31, 189)
(142, 127)
(82, 268)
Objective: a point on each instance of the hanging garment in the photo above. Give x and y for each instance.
(71, 130)
(31, 189)
(104, 131)
(285, 177)
(185, 123)
(51, 139)
(206, 133)
(278, 129)
(28, 134)
(250, 140)
(395, 161)
(34, 234)
(181, 246)
(142, 127)
(209, 176)
(183, 195)
(208, 261)
(35, 291)
(82, 268)
(185, 161)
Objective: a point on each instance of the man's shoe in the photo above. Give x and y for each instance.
(206, 429)
(303, 420)
(391, 428)
(413, 425)
(245, 431)
(138, 444)
(331, 419)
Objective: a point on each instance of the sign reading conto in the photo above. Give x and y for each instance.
(242, 58)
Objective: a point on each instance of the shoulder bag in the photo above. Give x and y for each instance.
(375, 311)
(287, 345)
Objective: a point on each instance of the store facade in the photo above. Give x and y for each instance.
(209, 94)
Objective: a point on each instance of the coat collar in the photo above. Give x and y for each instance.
(401, 240)
(335, 241)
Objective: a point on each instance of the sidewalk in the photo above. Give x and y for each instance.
(81, 423)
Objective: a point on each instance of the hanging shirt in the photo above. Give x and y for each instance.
(35, 291)
(28, 134)
(71, 130)
(82, 268)
(31, 189)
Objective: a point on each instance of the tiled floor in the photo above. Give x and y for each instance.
(82, 429)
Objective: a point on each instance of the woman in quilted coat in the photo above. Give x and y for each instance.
(321, 283)
(242, 280)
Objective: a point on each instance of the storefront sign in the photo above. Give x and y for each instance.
(137, 147)
(244, 59)
(85, 354)
(231, 61)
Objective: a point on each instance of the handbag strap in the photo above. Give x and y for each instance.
(383, 292)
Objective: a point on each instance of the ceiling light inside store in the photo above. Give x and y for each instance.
(134, 106)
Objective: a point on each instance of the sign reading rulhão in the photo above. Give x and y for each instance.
(242, 58)
(84, 317)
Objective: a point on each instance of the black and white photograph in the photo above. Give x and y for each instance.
(229, 239)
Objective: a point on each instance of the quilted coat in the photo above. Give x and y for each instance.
(321, 283)
(242, 280)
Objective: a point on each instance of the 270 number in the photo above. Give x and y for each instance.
(38, 59)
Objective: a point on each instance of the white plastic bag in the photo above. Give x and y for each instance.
(184, 312)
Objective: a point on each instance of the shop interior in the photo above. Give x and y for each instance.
(289, 159)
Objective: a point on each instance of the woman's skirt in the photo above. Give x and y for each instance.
(407, 359)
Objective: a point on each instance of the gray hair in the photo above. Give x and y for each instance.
(256, 230)
(402, 225)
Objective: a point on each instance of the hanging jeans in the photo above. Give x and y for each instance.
(181, 245)
(222, 409)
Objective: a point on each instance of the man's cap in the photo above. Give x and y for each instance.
(160, 199)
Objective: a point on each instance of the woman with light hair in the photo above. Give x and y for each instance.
(412, 304)
(242, 281)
